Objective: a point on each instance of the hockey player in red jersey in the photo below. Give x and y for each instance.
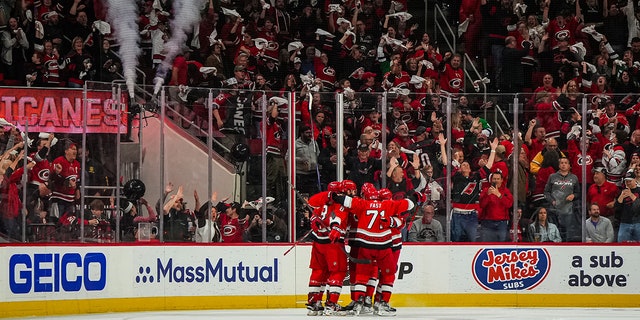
(372, 242)
(328, 258)
(350, 188)
(396, 241)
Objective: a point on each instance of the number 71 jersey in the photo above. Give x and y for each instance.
(375, 219)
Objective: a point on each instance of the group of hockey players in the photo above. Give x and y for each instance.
(370, 224)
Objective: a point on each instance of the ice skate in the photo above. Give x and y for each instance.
(358, 306)
(334, 309)
(382, 308)
(315, 308)
(349, 307)
(367, 306)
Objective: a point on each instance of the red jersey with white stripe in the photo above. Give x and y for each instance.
(40, 172)
(52, 70)
(400, 81)
(329, 213)
(374, 219)
(275, 137)
(232, 228)
(64, 183)
(452, 79)
(221, 100)
(396, 235)
(326, 73)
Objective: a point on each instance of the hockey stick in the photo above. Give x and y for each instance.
(302, 199)
(412, 218)
(299, 240)
(306, 204)
(356, 260)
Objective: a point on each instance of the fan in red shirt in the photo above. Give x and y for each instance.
(64, 180)
(451, 74)
(602, 192)
(495, 203)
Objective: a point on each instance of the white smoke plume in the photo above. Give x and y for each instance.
(186, 16)
(123, 15)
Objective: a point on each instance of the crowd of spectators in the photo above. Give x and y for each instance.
(552, 49)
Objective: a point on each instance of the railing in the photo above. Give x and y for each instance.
(444, 30)
(164, 154)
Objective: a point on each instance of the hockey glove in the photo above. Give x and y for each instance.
(335, 234)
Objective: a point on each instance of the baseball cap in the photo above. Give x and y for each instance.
(420, 130)
(224, 206)
(368, 75)
(221, 206)
(235, 205)
(598, 169)
(49, 14)
(630, 175)
(363, 147)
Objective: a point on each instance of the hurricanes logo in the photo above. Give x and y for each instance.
(455, 83)
(357, 74)
(468, 190)
(329, 71)
(229, 230)
(588, 161)
(424, 101)
(562, 34)
(405, 117)
(272, 46)
(44, 174)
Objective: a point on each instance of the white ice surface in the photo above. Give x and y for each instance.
(403, 313)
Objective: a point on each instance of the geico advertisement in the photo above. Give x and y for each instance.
(75, 272)
(553, 269)
(106, 272)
